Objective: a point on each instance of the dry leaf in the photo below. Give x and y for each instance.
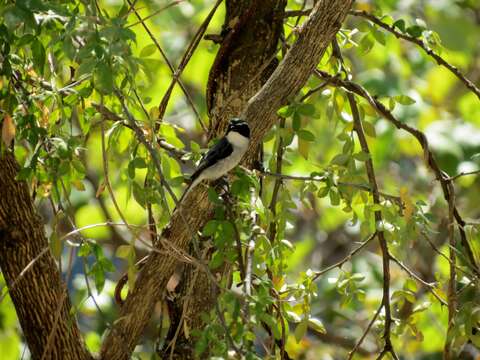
(407, 202)
(8, 130)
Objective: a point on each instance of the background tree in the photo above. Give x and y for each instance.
(350, 230)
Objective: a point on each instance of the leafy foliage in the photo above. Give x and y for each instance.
(81, 79)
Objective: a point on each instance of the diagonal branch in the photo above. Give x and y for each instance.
(288, 78)
(175, 72)
(347, 258)
(448, 192)
(378, 220)
(399, 35)
(440, 60)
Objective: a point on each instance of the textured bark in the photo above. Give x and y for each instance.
(289, 77)
(249, 45)
(38, 293)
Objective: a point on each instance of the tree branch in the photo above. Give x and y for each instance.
(440, 61)
(287, 79)
(378, 220)
(429, 157)
(347, 258)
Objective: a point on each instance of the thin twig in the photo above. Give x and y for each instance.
(319, 178)
(184, 61)
(365, 333)
(171, 67)
(110, 115)
(109, 185)
(272, 231)
(429, 286)
(440, 61)
(422, 140)
(155, 13)
(314, 90)
(228, 335)
(347, 258)
(154, 155)
(238, 241)
(378, 220)
(463, 173)
(452, 282)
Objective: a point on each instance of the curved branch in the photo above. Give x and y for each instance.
(440, 61)
(429, 157)
(287, 80)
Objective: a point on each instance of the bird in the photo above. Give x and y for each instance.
(224, 155)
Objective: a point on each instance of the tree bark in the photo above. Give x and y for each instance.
(40, 297)
(292, 73)
(249, 45)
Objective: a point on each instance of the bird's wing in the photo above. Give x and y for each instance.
(219, 151)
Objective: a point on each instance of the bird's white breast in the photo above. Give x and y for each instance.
(237, 140)
(240, 145)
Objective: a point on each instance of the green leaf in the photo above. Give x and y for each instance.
(139, 194)
(24, 173)
(272, 324)
(131, 170)
(217, 260)
(301, 330)
(99, 276)
(306, 109)
(104, 78)
(475, 339)
(86, 67)
(56, 245)
(292, 316)
(285, 111)
(39, 55)
(148, 50)
(366, 44)
(400, 24)
(404, 100)
(391, 104)
(303, 148)
(415, 31)
(340, 159)
(214, 197)
(139, 163)
(317, 325)
(369, 129)
(361, 156)
(210, 228)
(334, 197)
(357, 277)
(123, 251)
(296, 122)
(378, 35)
(323, 191)
(306, 135)
(411, 285)
(85, 249)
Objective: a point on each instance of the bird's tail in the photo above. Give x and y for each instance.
(192, 185)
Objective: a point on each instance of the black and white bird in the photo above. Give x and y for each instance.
(224, 155)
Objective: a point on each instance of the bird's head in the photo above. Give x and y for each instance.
(240, 126)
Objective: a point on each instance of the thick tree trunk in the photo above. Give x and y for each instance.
(245, 59)
(40, 297)
(195, 209)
